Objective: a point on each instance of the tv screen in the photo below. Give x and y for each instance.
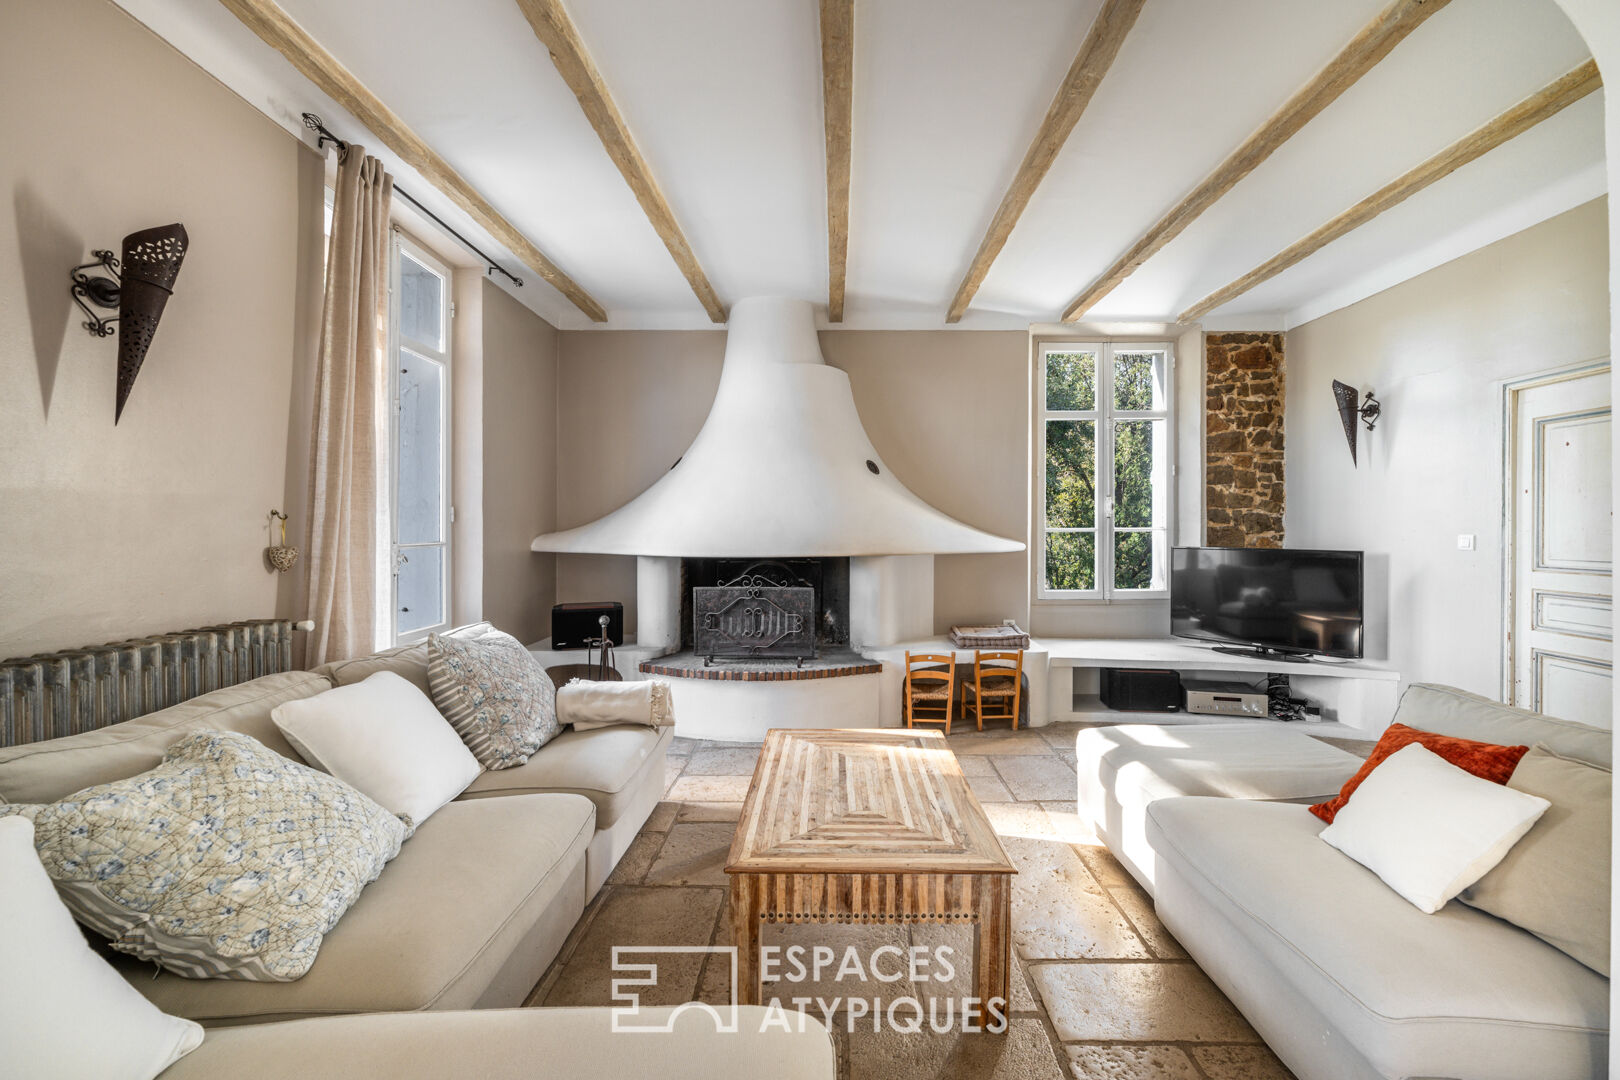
(1273, 599)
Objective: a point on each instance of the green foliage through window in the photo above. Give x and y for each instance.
(1134, 537)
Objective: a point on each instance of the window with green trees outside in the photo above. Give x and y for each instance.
(1104, 494)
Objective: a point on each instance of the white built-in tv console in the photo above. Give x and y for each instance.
(1357, 699)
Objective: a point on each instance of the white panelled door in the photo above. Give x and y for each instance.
(1562, 573)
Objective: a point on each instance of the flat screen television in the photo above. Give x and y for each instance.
(1277, 603)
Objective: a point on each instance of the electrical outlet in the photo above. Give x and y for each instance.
(1465, 541)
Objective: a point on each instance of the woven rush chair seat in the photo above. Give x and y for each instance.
(930, 689)
(995, 687)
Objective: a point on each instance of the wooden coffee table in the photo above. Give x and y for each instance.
(867, 826)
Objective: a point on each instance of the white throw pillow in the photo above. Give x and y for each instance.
(64, 1011)
(1429, 828)
(383, 736)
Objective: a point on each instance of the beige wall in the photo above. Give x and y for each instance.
(634, 402)
(1435, 349)
(519, 375)
(159, 523)
(947, 410)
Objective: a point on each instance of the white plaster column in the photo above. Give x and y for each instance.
(658, 604)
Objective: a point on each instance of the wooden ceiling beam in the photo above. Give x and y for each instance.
(556, 32)
(1095, 57)
(1550, 99)
(1374, 42)
(838, 98)
(277, 29)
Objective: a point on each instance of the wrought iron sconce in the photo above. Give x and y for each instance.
(1349, 412)
(140, 286)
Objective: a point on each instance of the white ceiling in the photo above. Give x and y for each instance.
(724, 99)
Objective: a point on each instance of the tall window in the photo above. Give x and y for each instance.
(1104, 493)
(419, 346)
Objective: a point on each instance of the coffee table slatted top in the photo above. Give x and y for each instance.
(885, 801)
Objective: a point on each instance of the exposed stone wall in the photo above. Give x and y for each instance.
(1243, 439)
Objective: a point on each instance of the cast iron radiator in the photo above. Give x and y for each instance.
(64, 693)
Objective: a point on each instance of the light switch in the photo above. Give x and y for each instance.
(1465, 541)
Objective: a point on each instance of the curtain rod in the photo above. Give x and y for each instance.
(314, 124)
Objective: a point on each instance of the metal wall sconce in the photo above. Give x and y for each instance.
(1368, 412)
(140, 285)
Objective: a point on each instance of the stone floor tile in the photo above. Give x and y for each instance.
(1059, 911)
(1131, 1063)
(1023, 1053)
(1020, 819)
(733, 761)
(989, 789)
(1152, 1002)
(672, 773)
(662, 817)
(1060, 735)
(1069, 825)
(1240, 1063)
(637, 860)
(1008, 745)
(976, 765)
(1138, 907)
(1105, 868)
(681, 748)
(710, 811)
(848, 942)
(694, 854)
(1034, 778)
(1023, 999)
(710, 789)
(639, 915)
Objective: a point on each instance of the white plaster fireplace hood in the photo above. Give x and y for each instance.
(782, 467)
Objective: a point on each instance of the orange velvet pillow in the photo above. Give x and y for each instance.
(1485, 760)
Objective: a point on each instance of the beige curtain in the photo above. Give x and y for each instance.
(348, 471)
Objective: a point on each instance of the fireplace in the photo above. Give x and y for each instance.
(802, 607)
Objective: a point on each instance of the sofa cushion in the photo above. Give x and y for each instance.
(1488, 761)
(226, 861)
(1555, 882)
(1125, 767)
(495, 693)
(44, 772)
(1449, 711)
(433, 931)
(63, 1011)
(1429, 828)
(384, 736)
(602, 764)
(1456, 993)
(408, 661)
(519, 1044)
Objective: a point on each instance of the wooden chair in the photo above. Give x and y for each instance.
(997, 688)
(930, 689)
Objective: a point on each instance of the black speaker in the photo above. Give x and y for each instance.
(573, 626)
(1141, 690)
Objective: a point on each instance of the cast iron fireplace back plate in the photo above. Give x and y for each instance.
(754, 622)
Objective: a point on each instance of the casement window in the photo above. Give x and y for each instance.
(419, 377)
(1103, 470)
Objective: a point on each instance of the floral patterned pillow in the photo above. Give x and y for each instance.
(495, 693)
(226, 861)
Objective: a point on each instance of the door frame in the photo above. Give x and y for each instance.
(1511, 388)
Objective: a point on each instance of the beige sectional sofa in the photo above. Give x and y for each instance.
(1343, 977)
(478, 901)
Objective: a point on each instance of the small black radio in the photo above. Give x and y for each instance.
(575, 626)
(1141, 690)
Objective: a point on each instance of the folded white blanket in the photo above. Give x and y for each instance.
(589, 705)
